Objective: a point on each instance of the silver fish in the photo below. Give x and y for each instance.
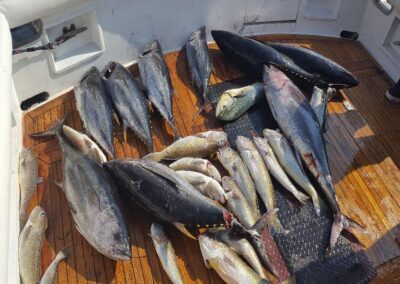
(30, 246)
(229, 266)
(206, 185)
(197, 165)
(49, 275)
(287, 159)
(237, 203)
(260, 175)
(300, 125)
(198, 145)
(95, 109)
(157, 81)
(275, 168)
(129, 102)
(319, 103)
(84, 144)
(234, 165)
(166, 253)
(28, 178)
(199, 62)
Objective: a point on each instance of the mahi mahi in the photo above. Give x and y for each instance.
(275, 168)
(299, 124)
(50, 274)
(197, 165)
(235, 102)
(206, 185)
(28, 178)
(166, 253)
(260, 175)
(199, 62)
(30, 246)
(95, 109)
(157, 81)
(198, 145)
(287, 159)
(91, 197)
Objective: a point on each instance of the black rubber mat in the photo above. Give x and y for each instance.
(304, 247)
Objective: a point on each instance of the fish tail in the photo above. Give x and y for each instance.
(342, 222)
(301, 197)
(63, 254)
(316, 203)
(155, 156)
(54, 130)
(276, 224)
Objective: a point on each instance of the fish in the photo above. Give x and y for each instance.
(157, 81)
(166, 253)
(287, 159)
(234, 103)
(49, 275)
(95, 109)
(30, 246)
(237, 203)
(251, 55)
(206, 185)
(229, 266)
(84, 144)
(260, 176)
(197, 165)
(234, 165)
(197, 145)
(319, 103)
(28, 179)
(129, 102)
(329, 71)
(299, 124)
(199, 62)
(275, 168)
(243, 248)
(91, 196)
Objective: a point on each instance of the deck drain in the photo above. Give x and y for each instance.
(37, 99)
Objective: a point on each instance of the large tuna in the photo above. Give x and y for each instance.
(299, 124)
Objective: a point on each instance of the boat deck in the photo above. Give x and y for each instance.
(363, 149)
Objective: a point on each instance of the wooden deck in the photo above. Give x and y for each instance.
(363, 148)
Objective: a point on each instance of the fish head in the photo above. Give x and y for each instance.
(224, 106)
(228, 183)
(271, 134)
(218, 138)
(109, 69)
(38, 218)
(274, 77)
(226, 154)
(210, 248)
(244, 143)
(158, 233)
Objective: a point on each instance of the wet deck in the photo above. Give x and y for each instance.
(363, 147)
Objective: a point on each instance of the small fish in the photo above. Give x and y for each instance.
(206, 185)
(95, 109)
(49, 275)
(319, 103)
(299, 123)
(129, 102)
(157, 81)
(260, 175)
(287, 159)
(28, 179)
(229, 266)
(166, 253)
(235, 102)
(198, 145)
(30, 246)
(242, 247)
(234, 165)
(237, 203)
(197, 165)
(199, 63)
(275, 168)
(84, 144)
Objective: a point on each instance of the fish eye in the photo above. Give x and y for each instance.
(117, 236)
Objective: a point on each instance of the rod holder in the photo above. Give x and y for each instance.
(384, 5)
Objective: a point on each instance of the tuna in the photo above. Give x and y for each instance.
(95, 109)
(129, 102)
(157, 81)
(28, 178)
(319, 103)
(30, 246)
(50, 274)
(299, 124)
(199, 62)
(234, 103)
(197, 165)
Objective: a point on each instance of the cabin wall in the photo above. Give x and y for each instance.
(128, 25)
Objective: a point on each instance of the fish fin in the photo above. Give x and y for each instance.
(198, 113)
(181, 227)
(39, 180)
(94, 154)
(342, 222)
(54, 129)
(271, 218)
(116, 119)
(58, 183)
(125, 130)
